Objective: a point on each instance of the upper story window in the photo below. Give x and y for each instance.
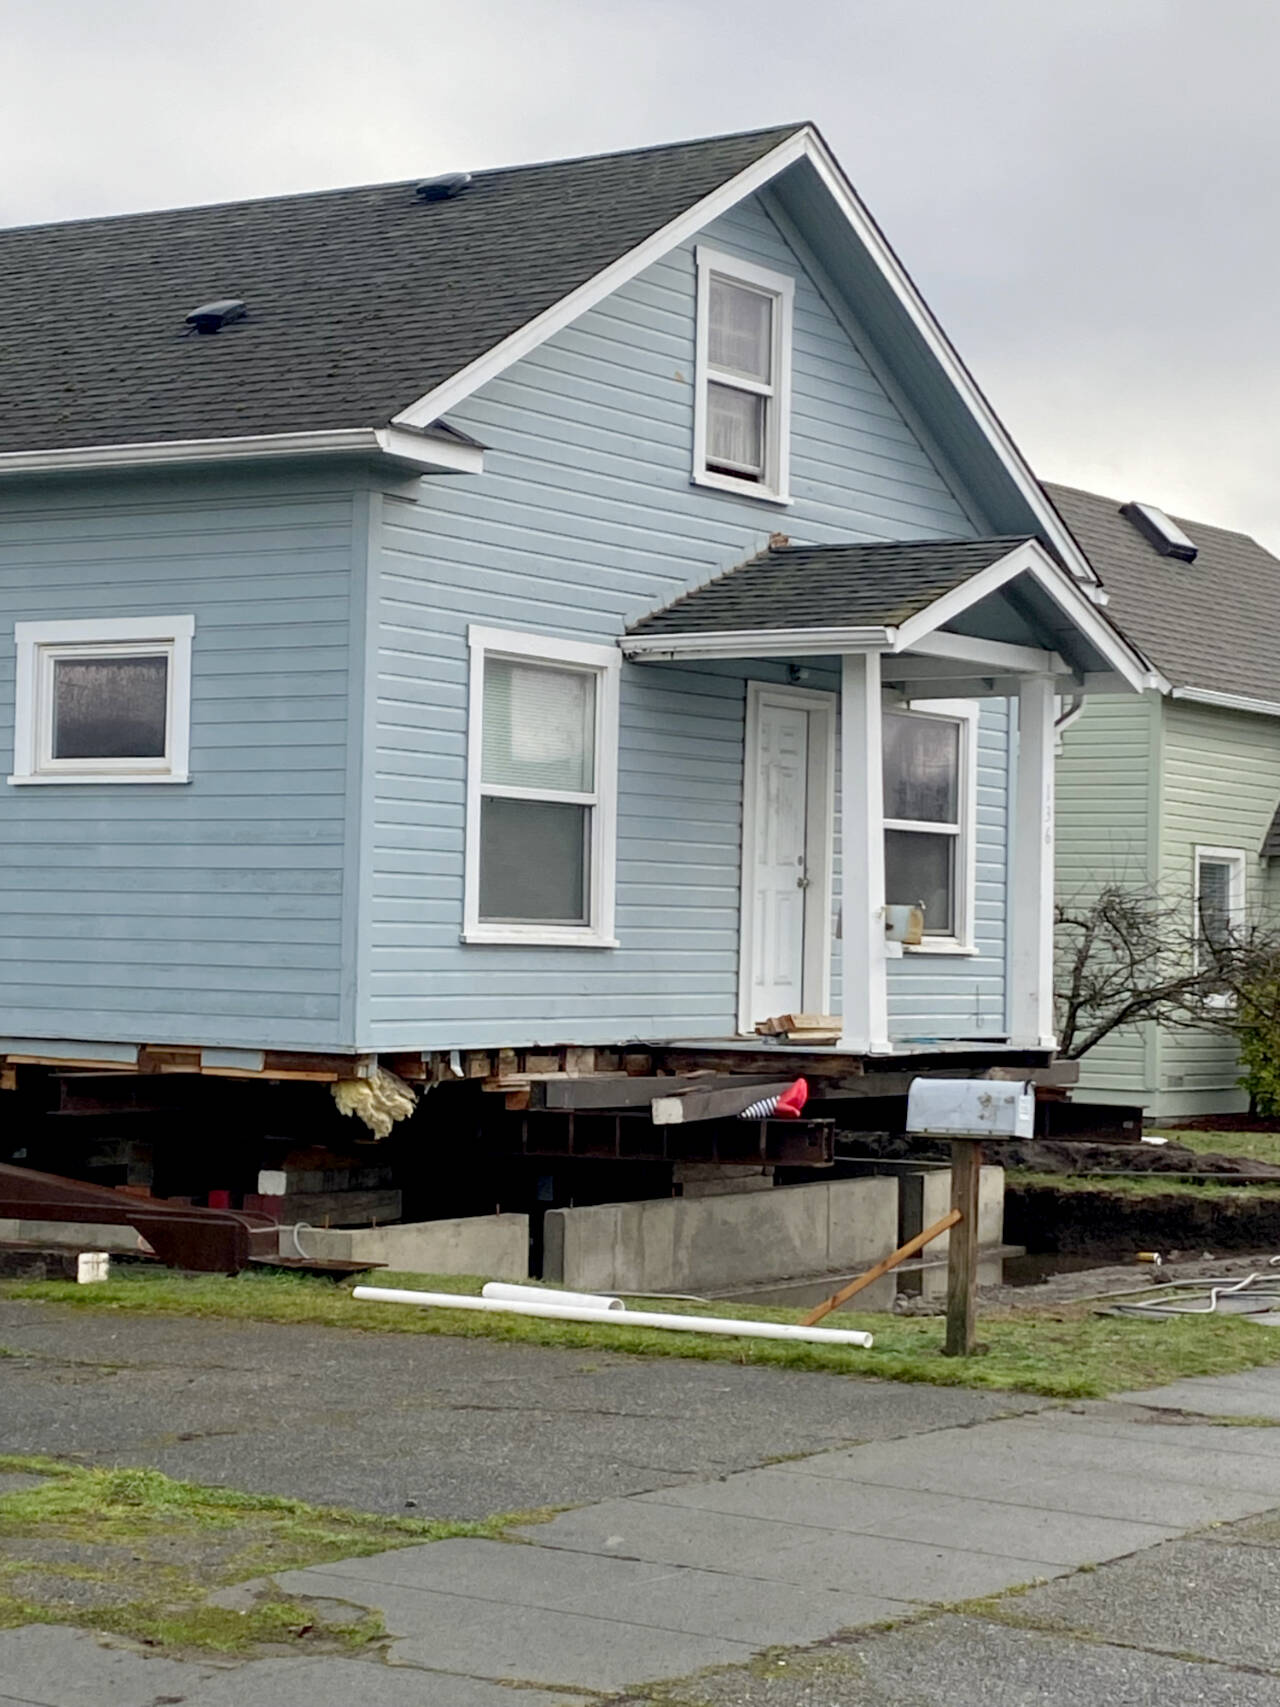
(742, 403)
(103, 700)
(541, 790)
(930, 816)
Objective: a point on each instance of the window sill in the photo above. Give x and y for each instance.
(81, 777)
(740, 488)
(514, 937)
(962, 949)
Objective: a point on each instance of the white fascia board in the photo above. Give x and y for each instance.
(1072, 599)
(1226, 701)
(757, 643)
(427, 455)
(947, 357)
(519, 343)
(804, 144)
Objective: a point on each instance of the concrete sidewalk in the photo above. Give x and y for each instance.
(709, 1573)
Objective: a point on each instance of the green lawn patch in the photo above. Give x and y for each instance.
(1140, 1185)
(136, 1553)
(1258, 1146)
(1066, 1353)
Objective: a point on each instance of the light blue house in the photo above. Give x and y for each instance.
(564, 607)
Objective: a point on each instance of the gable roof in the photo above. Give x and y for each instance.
(790, 587)
(360, 300)
(897, 596)
(1213, 625)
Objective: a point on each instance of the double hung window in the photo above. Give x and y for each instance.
(929, 817)
(742, 406)
(542, 757)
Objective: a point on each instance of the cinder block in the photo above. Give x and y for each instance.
(496, 1246)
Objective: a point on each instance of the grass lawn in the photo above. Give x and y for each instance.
(1066, 1353)
(1144, 1185)
(1260, 1146)
(136, 1553)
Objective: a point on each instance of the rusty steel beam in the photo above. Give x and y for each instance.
(213, 1241)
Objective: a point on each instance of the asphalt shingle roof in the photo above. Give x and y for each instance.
(1212, 624)
(360, 300)
(829, 586)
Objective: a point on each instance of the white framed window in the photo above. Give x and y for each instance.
(103, 700)
(931, 818)
(742, 395)
(542, 783)
(1219, 876)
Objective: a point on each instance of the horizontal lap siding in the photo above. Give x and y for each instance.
(1221, 788)
(584, 519)
(1106, 821)
(208, 912)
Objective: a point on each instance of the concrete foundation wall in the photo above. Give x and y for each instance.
(691, 1244)
(496, 1246)
(926, 1198)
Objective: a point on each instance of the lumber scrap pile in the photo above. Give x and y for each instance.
(817, 1030)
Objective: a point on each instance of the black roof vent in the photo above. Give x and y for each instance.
(1156, 528)
(213, 316)
(443, 188)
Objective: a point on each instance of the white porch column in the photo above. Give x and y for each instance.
(865, 994)
(1031, 876)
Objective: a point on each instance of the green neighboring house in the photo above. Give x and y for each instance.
(1178, 787)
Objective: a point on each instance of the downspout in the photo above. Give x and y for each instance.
(1074, 705)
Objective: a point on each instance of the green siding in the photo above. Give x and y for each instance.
(1106, 833)
(1221, 782)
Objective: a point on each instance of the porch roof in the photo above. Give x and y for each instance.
(790, 587)
(1000, 604)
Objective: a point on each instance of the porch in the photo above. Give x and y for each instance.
(867, 796)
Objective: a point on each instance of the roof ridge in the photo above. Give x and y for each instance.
(780, 131)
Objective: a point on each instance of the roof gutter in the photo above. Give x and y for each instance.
(757, 643)
(421, 452)
(1227, 701)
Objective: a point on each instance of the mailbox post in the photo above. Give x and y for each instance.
(968, 1112)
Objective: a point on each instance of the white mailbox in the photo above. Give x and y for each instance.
(971, 1108)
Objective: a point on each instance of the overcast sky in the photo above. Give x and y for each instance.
(1085, 190)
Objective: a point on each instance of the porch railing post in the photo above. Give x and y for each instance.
(1031, 876)
(864, 1000)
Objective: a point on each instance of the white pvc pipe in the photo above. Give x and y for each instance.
(619, 1318)
(544, 1295)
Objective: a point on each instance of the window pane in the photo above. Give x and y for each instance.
(920, 868)
(740, 335)
(110, 708)
(533, 865)
(539, 726)
(921, 769)
(735, 430)
(1214, 901)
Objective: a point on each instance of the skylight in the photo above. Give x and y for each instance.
(1155, 527)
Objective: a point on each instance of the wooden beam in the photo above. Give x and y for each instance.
(962, 1251)
(720, 1102)
(882, 1268)
(998, 654)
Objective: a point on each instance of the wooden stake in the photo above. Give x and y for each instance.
(962, 1255)
(882, 1267)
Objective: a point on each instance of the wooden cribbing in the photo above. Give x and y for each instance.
(882, 1267)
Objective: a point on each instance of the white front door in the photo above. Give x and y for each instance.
(785, 858)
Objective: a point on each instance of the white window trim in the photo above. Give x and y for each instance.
(964, 712)
(39, 643)
(775, 488)
(606, 662)
(1235, 859)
